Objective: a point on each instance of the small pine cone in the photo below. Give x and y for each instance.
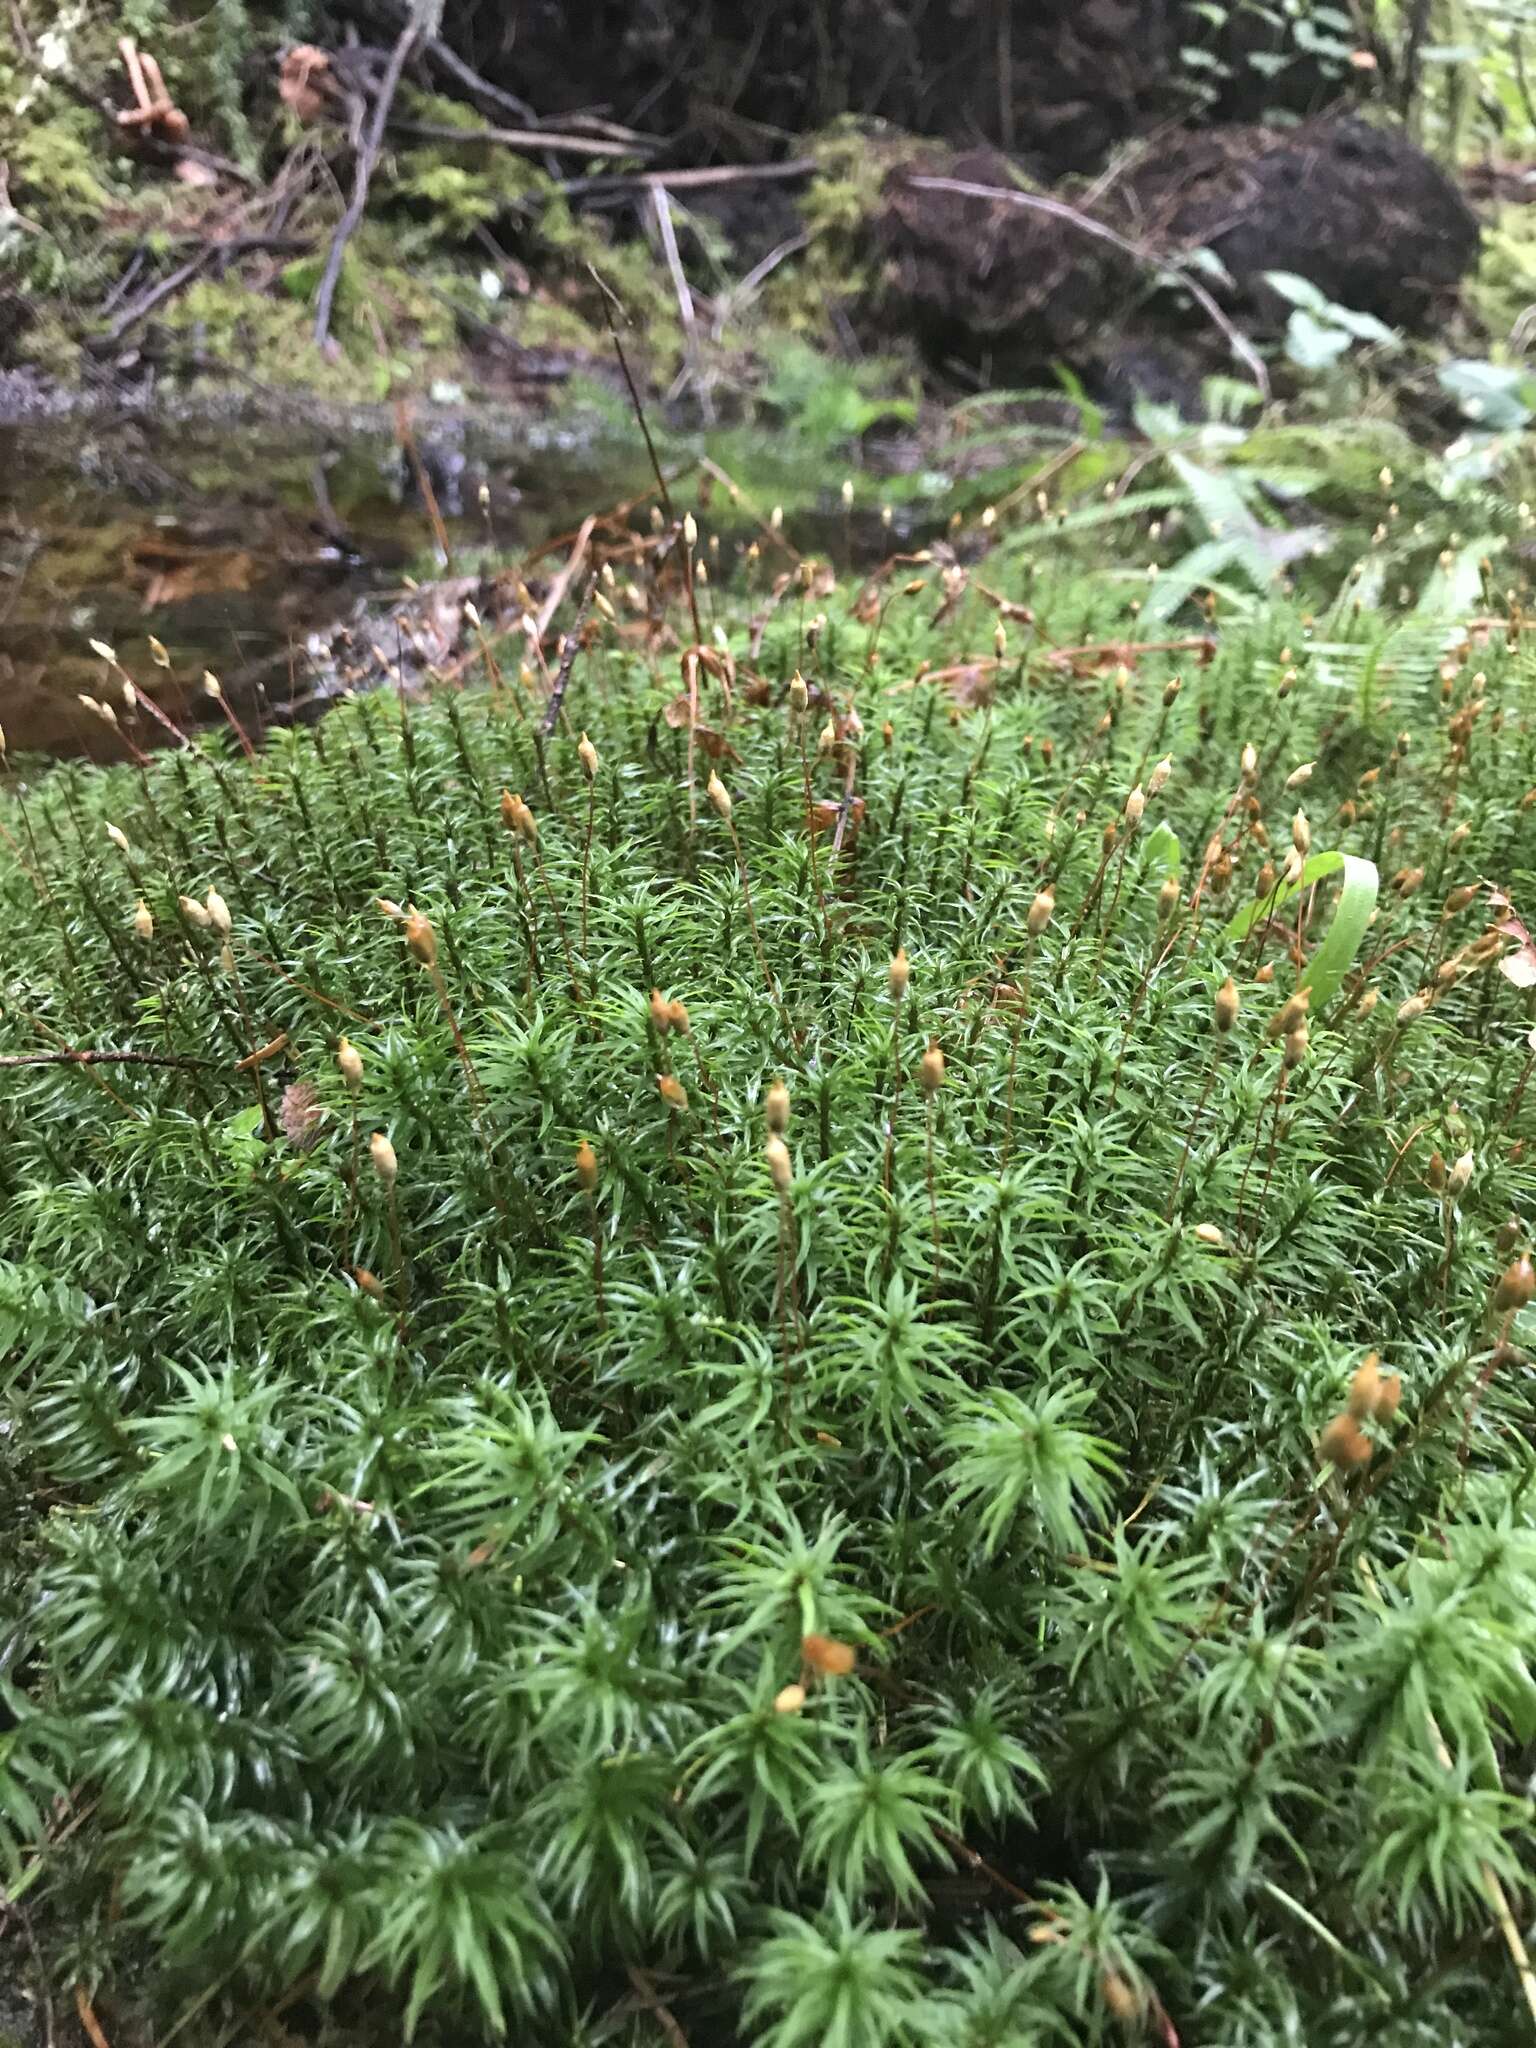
(300, 1116)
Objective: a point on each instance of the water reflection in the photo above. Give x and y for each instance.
(231, 546)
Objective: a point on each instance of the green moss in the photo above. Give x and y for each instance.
(392, 328)
(53, 162)
(49, 344)
(450, 188)
(230, 324)
(853, 158)
(1504, 287)
(464, 1584)
(545, 323)
(446, 189)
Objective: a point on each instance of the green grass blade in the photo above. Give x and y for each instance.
(1328, 966)
(1333, 959)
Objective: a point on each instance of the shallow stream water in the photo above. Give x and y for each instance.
(229, 542)
(237, 542)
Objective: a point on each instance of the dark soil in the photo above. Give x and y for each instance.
(968, 273)
(1061, 82)
(1360, 211)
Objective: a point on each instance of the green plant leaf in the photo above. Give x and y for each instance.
(1314, 344)
(1499, 396)
(1457, 589)
(1163, 851)
(1328, 966)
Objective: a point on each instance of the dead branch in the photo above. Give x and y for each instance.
(668, 236)
(699, 178)
(367, 157)
(568, 661)
(177, 280)
(451, 65)
(100, 1058)
(537, 140)
(165, 288)
(563, 580)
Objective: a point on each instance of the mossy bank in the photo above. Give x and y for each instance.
(802, 1360)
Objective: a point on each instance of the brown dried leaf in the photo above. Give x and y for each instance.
(714, 744)
(197, 576)
(824, 814)
(968, 683)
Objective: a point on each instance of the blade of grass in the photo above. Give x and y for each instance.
(1325, 971)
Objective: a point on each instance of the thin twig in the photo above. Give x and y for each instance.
(94, 2032)
(609, 302)
(692, 180)
(448, 61)
(72, 1058)
(564, 579)
(650, 1998)
(367, 157)
(536, 139)
(407, 441)
(662, 207)
(572, 649)
(165, 288)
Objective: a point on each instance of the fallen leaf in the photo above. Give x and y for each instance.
(823, 816)
(968, 683)
(171, 571)
(714, 744)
